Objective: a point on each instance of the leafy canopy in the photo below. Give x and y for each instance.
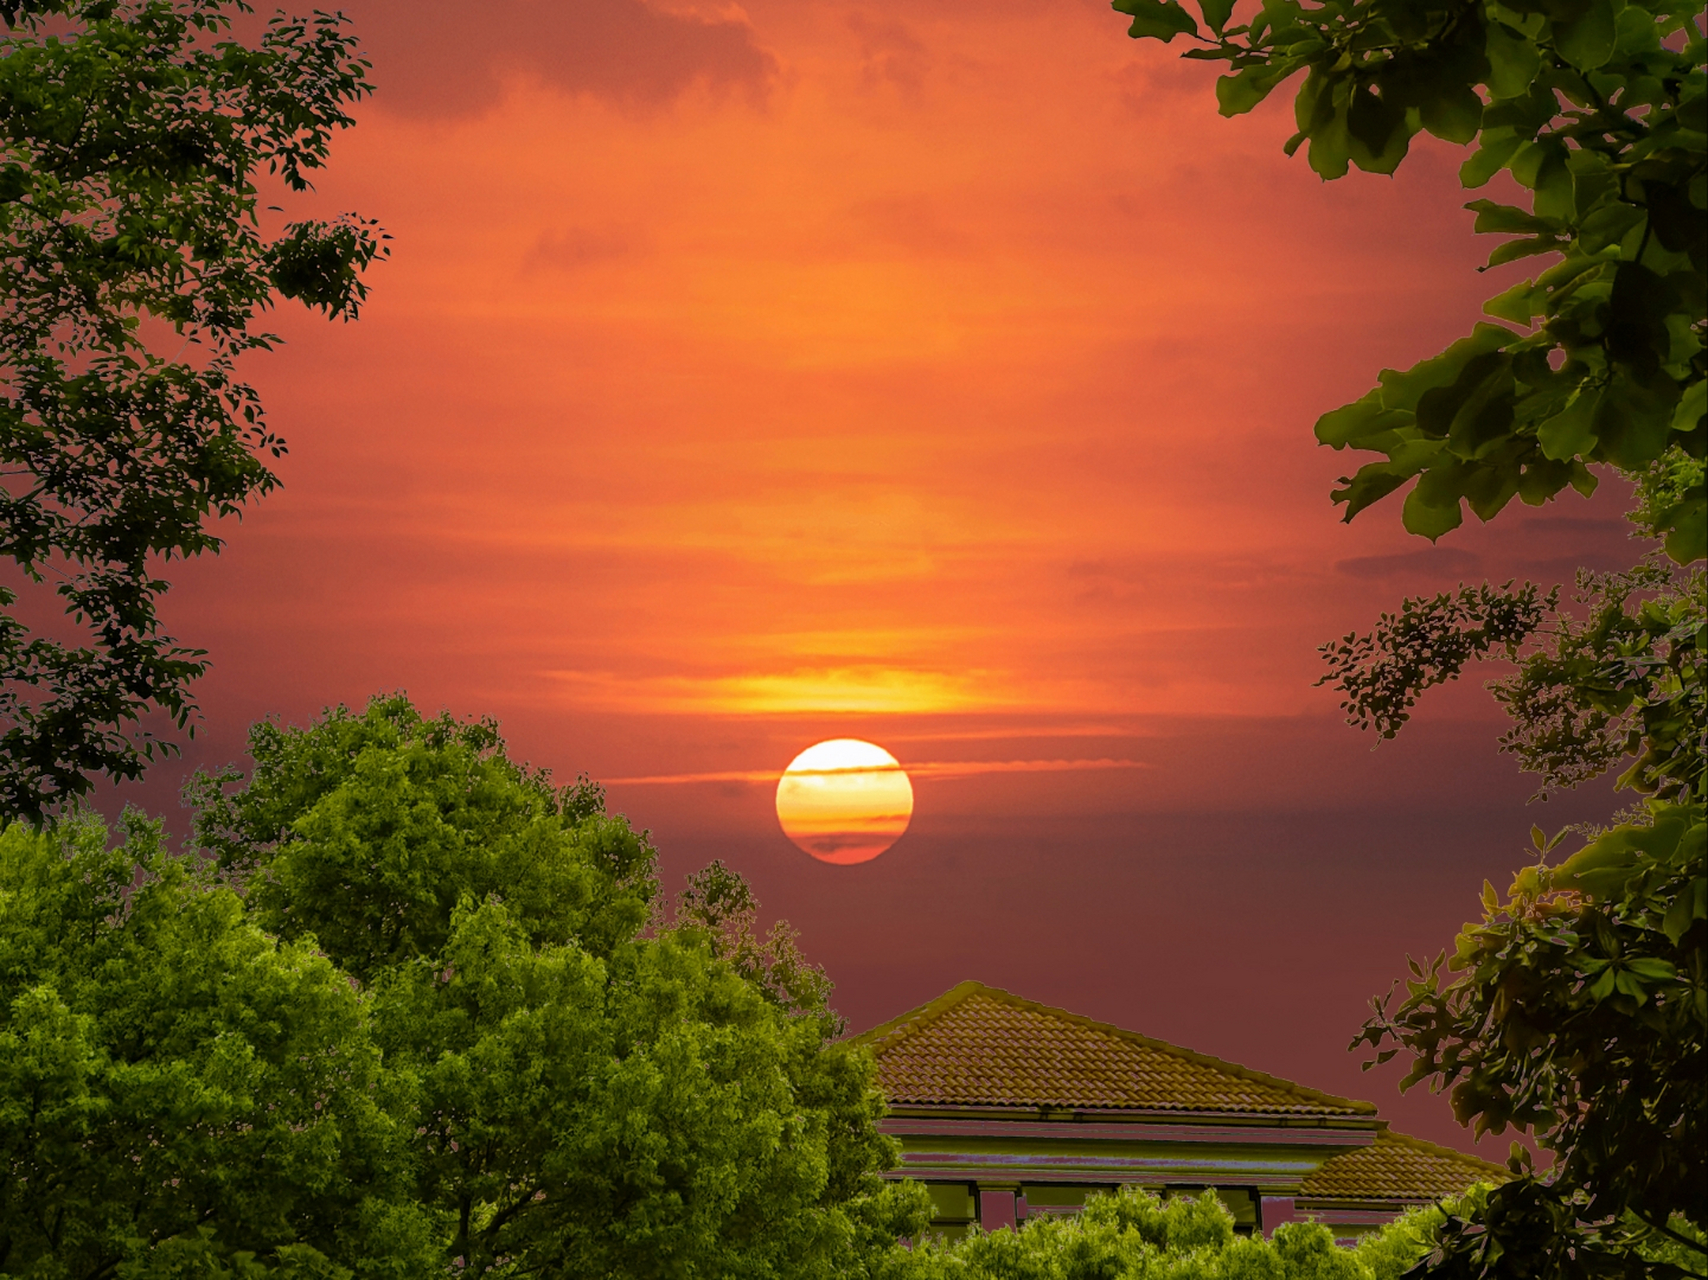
(594, 1090)
(135, 257)
(1599, 108)
(1133, 1233)
(180, 1093)
(1576, 1007)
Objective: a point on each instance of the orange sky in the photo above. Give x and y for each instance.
(937, 373)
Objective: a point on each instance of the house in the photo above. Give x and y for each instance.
(1006, 1109)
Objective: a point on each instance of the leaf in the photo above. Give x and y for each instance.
(1513, 250)
(1688, 541)
(1216, 13)
(1330, 151)
(1686, 909)
(1377, 136)
(1506, 219)
(1454, 115)
(1403, 390)
(1428, 519)
(1519, 304)
(1651, 968)
(1513, 61)
(1555, 192)
(1239, 93)
(1497, 149)
(1571, 432)
(1692, 405)
(1359, 421)
(1588, 42)
(1157, 19)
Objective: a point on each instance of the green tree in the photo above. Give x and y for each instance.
(599, 1091)
(1134, 1233)
(1600, 109)
(1576, 1007)
(180, 1094)
(135, 258)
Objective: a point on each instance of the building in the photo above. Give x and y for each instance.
(1007, 1109)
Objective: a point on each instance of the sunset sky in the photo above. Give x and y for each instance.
(939, 374)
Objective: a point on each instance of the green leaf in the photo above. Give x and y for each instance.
(1513, 61)
(1330, 150)
(1454, 115)
(1519, 304)
(1588, 42)
(1688, 541)
(1377, 136)
(1555, 192)
(1359, 421)
(1428, 519)
(1688, 907)
(1506, 219)
(1498, 147)
(1239, 93)
(1513, 250)
(1571, 432)
(1404, 390)
(1157, 19)
(1651, 968)
(1692, 405)
(1216, 13)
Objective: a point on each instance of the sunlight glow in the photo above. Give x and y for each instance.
(844, 801)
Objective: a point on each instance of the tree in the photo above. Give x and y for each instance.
(1600, 109)
(597, 1091)
(1133, 1232)
(1579, 1006)
(180, 1094)
(134, 262)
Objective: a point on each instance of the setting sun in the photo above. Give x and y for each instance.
(844, 801)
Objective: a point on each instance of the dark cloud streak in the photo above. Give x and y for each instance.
(431, 60)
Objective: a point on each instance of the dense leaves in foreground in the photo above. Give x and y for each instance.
(135, 257)
(1135, 1235)
(415, 1016)
(1599, 108)
(1576, 1007)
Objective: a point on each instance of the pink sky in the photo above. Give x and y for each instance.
(936, 373)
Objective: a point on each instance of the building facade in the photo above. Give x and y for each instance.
(1006, 1109)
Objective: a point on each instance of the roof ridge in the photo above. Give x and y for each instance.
(888, 1035)
(1387, 1134)
(1192, 1055)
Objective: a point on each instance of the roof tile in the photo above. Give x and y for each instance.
(980, 1046)
(1398, 1167)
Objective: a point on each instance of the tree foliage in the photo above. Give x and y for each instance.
(135, 258)
(1624, 681)
(1134, 1234)
(596, 1090)
(181, 1094)
(1576, 1007)
(1599, 108)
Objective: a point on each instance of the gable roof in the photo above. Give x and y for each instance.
(981, 1046)
(1399, 1167)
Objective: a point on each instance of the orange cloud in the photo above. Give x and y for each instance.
(934, 769)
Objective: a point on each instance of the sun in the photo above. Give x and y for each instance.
(844, 801)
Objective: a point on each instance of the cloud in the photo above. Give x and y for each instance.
(889, 53)
(1436, 562)
(934, 769)
(576, 247)
(431, 60)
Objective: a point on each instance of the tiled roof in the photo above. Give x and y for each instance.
(1398, 1167)
(978, 1046)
